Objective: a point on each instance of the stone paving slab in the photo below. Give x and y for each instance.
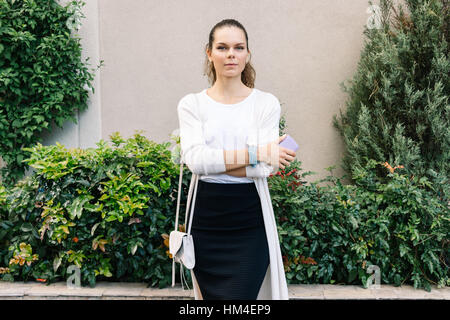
(348, 292)
(112, 289)
(139, 291)
(306, 292)
(167, 293)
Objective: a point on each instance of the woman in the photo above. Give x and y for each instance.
(229, 137)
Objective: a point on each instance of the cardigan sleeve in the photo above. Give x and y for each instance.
(261, 170)
(199, 157)
(268, 131)
(269, 125)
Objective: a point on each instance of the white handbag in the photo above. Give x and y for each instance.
(181, 244)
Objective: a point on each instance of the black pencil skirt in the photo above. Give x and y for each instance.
(231, 251)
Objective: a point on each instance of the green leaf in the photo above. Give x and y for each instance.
(352, 275)
(56, 263)
(103, 197)
(111, 218)
(76, 209)
(16, 123)
(39, 118)
(94, 227)
(26, 227)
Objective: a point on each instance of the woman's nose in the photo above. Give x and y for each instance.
(230, 52)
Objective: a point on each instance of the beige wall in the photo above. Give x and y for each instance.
(153, 55)
(301, 50)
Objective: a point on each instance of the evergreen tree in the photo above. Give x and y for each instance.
(398, 106)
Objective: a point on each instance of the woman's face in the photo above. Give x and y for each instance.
(229, 47)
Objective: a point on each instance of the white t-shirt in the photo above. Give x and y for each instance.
(208, 127)
(226, 127)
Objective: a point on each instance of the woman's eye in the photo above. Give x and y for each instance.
(237, 47)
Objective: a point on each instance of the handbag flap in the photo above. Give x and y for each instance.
(175, 241)
(188, 255)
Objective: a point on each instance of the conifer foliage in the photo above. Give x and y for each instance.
(398, 100)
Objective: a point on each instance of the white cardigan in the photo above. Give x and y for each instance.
(202, 159)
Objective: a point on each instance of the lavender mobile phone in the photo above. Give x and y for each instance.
(289, 143)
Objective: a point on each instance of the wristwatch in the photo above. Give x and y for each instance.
(252, 157)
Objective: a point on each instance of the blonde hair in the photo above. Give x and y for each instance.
(248, 75)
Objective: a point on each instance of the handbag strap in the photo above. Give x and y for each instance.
(191, 198)
(192, 185)
(194, 181)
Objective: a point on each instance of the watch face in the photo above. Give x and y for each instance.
(252, 155)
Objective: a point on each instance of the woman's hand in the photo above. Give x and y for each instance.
(275, 155)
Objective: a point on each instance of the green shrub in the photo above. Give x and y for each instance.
(397, 108)
(43, 80)
(332, 233)
(102, 209)
(109, 211)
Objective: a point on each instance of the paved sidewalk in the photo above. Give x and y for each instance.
(139, 291)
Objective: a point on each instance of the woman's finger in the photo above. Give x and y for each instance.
(289, 158)
(288, 151)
